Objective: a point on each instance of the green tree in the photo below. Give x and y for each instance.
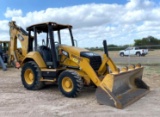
(138, 42)
(150, 40)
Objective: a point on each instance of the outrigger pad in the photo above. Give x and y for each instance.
(121, 89)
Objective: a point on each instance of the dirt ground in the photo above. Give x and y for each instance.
(16, 101)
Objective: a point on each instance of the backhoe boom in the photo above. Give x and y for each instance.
(17, 52)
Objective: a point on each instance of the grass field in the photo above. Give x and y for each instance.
(154, 53)
(152, 76)
(151, 69)
(152, 58)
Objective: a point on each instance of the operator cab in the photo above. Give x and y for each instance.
(43, 41)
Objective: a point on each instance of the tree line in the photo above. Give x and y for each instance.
(149, 42)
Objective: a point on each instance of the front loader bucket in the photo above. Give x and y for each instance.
(122, 89)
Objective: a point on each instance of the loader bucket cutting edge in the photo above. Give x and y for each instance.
(122, 89)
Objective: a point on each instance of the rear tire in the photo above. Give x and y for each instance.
(31, 76)
(70, 83)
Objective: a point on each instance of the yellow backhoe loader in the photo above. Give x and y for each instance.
(4, 50)
(4, 46)
(50, 60)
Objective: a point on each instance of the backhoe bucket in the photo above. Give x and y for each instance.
(122, 89)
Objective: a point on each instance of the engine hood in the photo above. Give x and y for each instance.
(94, 59)
(73, 50)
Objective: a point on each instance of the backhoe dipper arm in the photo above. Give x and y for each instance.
(17, 54)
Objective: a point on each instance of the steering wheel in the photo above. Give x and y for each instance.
(56, 42)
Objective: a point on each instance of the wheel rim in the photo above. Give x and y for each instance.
(29, 76)
(67, 84)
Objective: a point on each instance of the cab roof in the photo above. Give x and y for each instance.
(43, 27)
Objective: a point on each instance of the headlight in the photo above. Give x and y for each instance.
(65, 53)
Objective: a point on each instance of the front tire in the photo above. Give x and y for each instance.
(31, 76)
(70, 83)
(138, 54)
(122, 54)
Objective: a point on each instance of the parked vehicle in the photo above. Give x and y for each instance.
(133, 51)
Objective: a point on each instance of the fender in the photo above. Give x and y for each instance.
(35, 56)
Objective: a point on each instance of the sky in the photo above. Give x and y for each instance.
(119, 22)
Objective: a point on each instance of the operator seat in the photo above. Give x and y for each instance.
(46, 55)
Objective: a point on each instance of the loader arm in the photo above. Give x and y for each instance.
(115, 87)
(82, 63)
(105, 63)
(17, 54)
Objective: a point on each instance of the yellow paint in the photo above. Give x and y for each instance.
(75, 60)
(17, 54)
(29, 76)
(37, 58)
(72, 50)
(67, 84)
(107, 61)
(108, 82)
(85, 67)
